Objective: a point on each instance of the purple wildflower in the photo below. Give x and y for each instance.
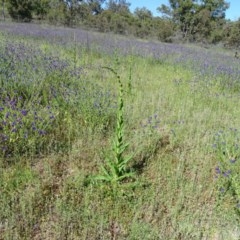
(14, 130)
(42, 132)
(217, 170)
(227, 173)
(233, 160)
(7, 114)
(24, 112)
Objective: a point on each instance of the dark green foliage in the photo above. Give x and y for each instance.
(232, 34)
(41, 8)
(163, 28)
(20, 10)
(57, 12)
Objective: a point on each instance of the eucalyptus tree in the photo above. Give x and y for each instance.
(187, 14)
(96, 6)
(41, 8)
(143, 13)
(217, 8)
(118, 6)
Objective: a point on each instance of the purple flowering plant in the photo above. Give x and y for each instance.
(226, 146)
(39, 94)
(24, 126)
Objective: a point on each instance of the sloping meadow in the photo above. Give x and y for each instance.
(58, 116)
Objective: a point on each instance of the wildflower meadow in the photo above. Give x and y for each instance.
(109, 137)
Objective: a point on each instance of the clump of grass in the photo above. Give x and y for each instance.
(227, 150)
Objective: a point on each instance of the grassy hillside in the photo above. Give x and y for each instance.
(75, 104)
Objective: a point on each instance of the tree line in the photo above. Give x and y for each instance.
(181, 20)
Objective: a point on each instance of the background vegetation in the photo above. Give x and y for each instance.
(201, 21)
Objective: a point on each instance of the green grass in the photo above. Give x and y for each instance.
(169, 122)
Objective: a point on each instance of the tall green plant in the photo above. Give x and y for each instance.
(115, 169)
